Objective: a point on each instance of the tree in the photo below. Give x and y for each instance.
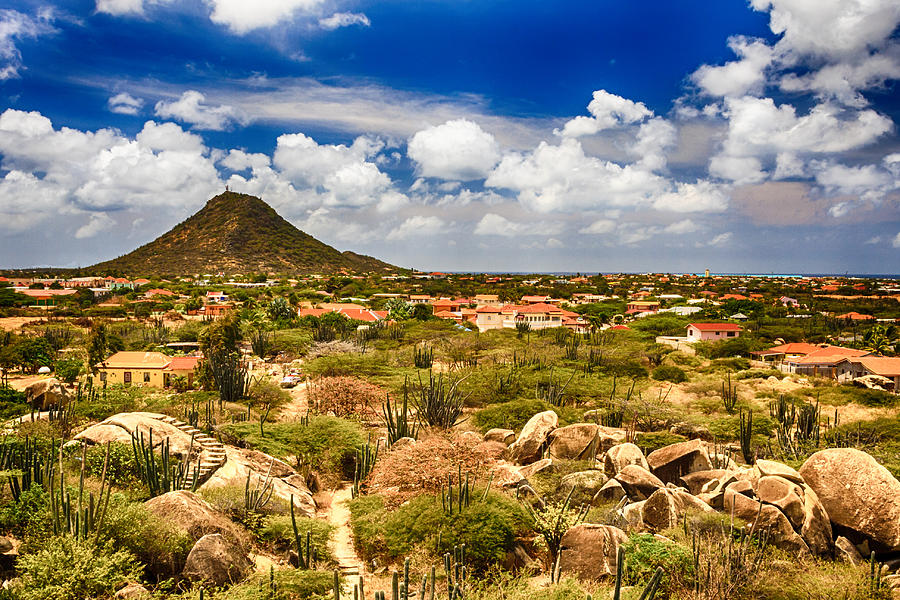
(279, 310)
(9, 296)
(33, 353)
(398, 309)
(98, 345)
(68, 369)
(422, 312)
(220, 336)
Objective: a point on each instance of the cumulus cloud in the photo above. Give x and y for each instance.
(417, 225)
(120, 7)
(14, 27)
(599, 227)
(494, 224)
(682, 227)
(97, 223)
(702, 196)
(738, 77)
(242, 17)
(562, 177)
(192, 108)
(344, 19)
(458, 150)
(125, 104)
(607, 111)
(896, 242)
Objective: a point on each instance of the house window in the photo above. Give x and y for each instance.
(146, 377)
(126, 376)
(730, 334)
(103, 376)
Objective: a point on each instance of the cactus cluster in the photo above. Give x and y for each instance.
(398, 421)
(163, 475)
(365, 461)
(423, 357)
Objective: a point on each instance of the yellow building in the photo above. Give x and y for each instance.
(149, 369)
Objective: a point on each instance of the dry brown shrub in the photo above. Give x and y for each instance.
(412, 469)
(346, 396)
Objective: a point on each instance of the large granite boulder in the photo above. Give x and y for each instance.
(503, 436)
(665, 508)
(119, 429)
(529, 446)
(764, 517)
(574, 442)
(45, 393)
(217, 561)
(590, 551)
(622, 455)
(639, 483)
(583, 485)
(672, 462)
(286, 483)
(860, 497)
(192, 515)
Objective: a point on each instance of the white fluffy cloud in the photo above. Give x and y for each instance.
(681, 227)
(607, 111)
(15, 26)
(563, 178)
(599, 227)
(120, 7)
(241, 16)
(702, 196)
(738, 77)
(97, 223)
(344, 19)
(896, 242)
(125, 104)
(494, 224)
(417, 225)
(456, 150)
(191, 108)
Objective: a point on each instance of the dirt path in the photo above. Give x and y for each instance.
(299, 404)
(342, 548)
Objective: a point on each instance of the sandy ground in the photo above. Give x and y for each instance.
(342, 540)
(299, 404)
(16, 323)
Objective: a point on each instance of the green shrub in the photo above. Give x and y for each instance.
(121, 469)
(155, 542)
(293, 584)
(327, 444)
(509, 415)
(30, 516)
(759, 374)
(655, 440)
(488, 528)
(645, 552)
(66, 569)
(279, 531)
(68, 369)
(669, 373)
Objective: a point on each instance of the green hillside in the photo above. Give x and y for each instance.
(238, 233)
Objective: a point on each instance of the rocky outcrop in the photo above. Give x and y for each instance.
(665, 508)
(622, 455)
(217, 561)
(672, 462)
(639, 483)
(46, 393)
(285, 481)
(859, 495)
(590, 551)
(192, 515)
(529, 446)
(583, 486)
(504, 436)
(574, 442)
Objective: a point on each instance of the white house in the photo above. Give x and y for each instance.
(712, 332)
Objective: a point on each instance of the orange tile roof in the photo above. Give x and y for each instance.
(880, 365)
(183, 363)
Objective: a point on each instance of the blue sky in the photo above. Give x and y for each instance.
(752, 136)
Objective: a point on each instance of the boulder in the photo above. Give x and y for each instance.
(286, 483)
(506, 475)
(119, 428)
(610, 436)
(217, 561)
(784, 494)
(770, 467)
(590, 551)
(45, 393)
(671, 462)
(638, 482)
(529, 446)
(634, 515)
(859, 495)
(612, 491)
(585, 484)
(622, 455)
(543, 465)
(472, 436)
(132, 591)
(764, 517)
(574, 442)
(695, 482)
(504, 436)
(666, 506)
(846, 551)
(192, 515)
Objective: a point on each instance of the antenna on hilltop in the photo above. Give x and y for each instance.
(227, 189)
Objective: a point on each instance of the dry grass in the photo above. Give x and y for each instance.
(423, 467)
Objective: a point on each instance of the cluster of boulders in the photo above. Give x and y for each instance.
(840, 503)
